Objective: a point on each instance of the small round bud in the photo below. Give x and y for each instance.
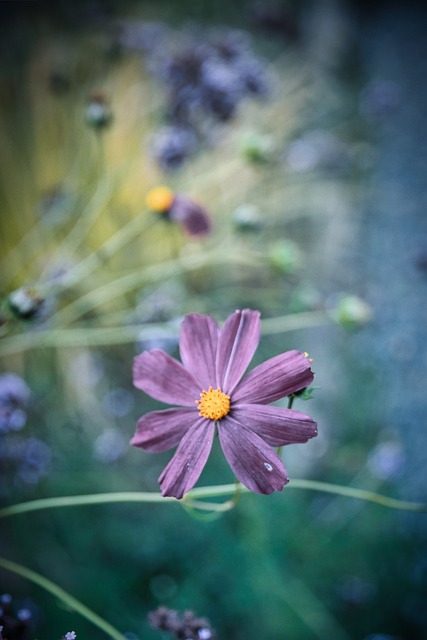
(351, 312)
(285, 256)
(26, 303)
(98, 111)
(257, 148)
(247, 218)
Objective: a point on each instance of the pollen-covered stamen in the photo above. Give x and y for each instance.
(213, 404)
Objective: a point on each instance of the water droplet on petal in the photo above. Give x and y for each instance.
(268, 466)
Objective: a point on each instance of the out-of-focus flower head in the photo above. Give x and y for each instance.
(14, 396)
(15, 622)
(256, 147)
(185, 626)
(229, 44)
(211, 393)
(179, 208)
(351, 312)
(285, 256)
(27, 303)
(205, 80)
(379, 98)
(172, 145)
(33, 459)
(317, 150)
(24, 461)
(387, 460)
(247, 217)
(221, 89)
(110, 446)
(98, 112)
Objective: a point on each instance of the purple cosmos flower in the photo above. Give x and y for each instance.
(211, 391)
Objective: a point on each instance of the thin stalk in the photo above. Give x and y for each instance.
(102, 195)
(99, 336)
(63, 596)
(131, 281)
(290, 403)
(112, 246)
(295, 321)
(216, 491)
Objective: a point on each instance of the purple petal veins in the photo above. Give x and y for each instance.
(163, 430)
(164, 378)
(274, 379)
(213, 363)
(183, 471)
(253, 461)
(275, 425)
(198, 346)
(238, 340)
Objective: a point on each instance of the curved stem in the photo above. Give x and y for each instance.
(130, 281)
(63, 596)
(101, 336)
(110, 247)
(83, 500)
(359, 494)
(216, 491)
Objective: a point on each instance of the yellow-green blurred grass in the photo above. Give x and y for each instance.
(109, 173)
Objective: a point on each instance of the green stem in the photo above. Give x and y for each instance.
(104, 192)
(63, 596)
(101, 336)
(359, 494)
(84, 500)
(112, 246)
(295, 321)
(290, 403)
(79, 336)
(129, 282)
(207, 492)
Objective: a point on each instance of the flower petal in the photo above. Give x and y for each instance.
(238, 340)
(277, 426)
(275, 378)
(254, 463)
(183, 471)
(163, 430)
(198, 345)
(164, 378)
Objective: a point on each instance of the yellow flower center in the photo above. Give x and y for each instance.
(213, 404)
(159, 199)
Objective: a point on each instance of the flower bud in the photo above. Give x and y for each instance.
(247, 218)
(257, 148)
(26, 303)
(285, 256)
(351, 312)
(98, 112)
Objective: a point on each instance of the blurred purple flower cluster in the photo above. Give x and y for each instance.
(26, 460)
(182, 627)
(14, 396)
(15, 622)
(205, 80)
